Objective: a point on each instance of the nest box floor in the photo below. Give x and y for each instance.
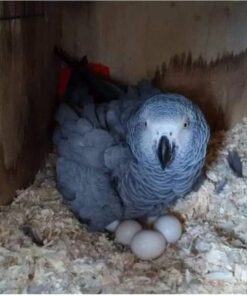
(44, 249)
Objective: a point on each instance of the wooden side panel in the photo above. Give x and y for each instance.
(136, 38)
(27, 96)
(219, 88)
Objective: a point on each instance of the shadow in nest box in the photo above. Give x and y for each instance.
(218, 87)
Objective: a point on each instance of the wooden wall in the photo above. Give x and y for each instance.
(27, 94)
(136, 38)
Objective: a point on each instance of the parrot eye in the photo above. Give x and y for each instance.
(186, 124)
(142, 125)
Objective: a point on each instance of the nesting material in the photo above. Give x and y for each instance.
(44, 249)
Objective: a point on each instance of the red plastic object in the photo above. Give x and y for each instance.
(99, 69)
(65, 73)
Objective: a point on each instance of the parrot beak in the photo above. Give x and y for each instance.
(165, 152)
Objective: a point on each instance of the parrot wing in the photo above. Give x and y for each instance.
(89, 163)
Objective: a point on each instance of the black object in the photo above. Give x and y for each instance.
(166, 152)
(235, 163)
(105, 89)
(220, 185)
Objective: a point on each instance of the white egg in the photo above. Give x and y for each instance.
(170, 227)
(112, 226)
(148, 244)
(126, 231)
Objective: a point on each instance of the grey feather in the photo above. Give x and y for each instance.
(116, 156)
(146, 90)
(90, 114)
(83, 187)
(219, 187)
(101, 115)
(108, 166)
(57, 136)
(64, 113)
(235, 163)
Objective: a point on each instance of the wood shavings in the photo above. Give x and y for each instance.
(210, 257)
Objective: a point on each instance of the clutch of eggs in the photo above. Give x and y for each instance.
(147, 244)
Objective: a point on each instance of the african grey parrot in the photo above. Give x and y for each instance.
(131, 157)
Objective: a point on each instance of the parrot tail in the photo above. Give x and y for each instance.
(82, 77)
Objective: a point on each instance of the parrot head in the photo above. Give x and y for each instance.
(166, 129)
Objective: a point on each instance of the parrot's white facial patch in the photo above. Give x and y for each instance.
(177, 131)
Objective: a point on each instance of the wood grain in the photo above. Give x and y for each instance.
(27, 97)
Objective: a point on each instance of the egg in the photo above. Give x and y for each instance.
(170, 227)
(112, 226)
(126, 231)
(148, 244)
